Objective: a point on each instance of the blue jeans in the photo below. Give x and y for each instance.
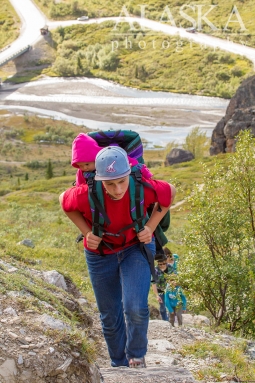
(121, 283)
(162, 307)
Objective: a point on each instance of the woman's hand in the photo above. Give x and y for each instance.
(92, 240)
(145, 235)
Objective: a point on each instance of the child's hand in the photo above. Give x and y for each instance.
(145, 235)
(92, 240)
(159, 299)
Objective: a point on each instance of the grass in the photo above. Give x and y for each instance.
(30, 206)
(30, 209)
(229, 361)
(29, 203)
(139, 60)
(26, 76)
(235, 26)
(9, 24)
(30, 130)
(20, 147)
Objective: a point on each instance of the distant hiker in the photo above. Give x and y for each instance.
(163, 269)
(175, 299)
(121, 274)
(84, 151)
(172, 259)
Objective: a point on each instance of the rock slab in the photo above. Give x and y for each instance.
(240, 115)
(146, 375)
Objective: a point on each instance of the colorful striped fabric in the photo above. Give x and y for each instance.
(126, 139)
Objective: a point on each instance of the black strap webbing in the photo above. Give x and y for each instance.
(98, 207)
(138, 206)
(149, 256)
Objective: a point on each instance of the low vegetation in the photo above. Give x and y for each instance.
(30, 200)
(210, 234)
(33, 140)
(221, 233)
(9, 24)
(197, 143)
(228, 20)
(142, 59)
(138, 58)
(230, 363)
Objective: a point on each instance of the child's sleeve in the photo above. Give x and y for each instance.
(146, 173)
(132, 161)
(144, 170)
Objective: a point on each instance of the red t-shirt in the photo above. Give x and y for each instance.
(118, 211)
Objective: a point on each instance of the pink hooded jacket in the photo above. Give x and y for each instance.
(85, 149)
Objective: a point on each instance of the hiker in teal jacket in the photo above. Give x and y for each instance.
(163, 270)
(175, 300)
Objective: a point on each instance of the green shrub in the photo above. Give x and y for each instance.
(35, 164)
(95, 50)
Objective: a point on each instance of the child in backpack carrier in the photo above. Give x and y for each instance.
(84, 151)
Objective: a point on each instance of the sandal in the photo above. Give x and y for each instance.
(137, 363)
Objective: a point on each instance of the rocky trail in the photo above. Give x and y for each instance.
(162, 359)
(165, 363)
(39, 344)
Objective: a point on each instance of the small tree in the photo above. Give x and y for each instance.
(220, 262)
(49, 170)
(170, 146)
(74, 7)
(197, 142)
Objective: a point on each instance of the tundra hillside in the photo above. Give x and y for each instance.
(144, 60)
(35, 168)
(135, 58)
(228, 19)
(9, 24)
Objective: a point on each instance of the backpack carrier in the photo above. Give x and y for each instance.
(127, 139)
(131, 142)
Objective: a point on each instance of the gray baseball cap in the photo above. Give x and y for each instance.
(111, 163)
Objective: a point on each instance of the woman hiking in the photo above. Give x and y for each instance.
(120, 279)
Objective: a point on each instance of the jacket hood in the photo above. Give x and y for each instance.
(84, 149)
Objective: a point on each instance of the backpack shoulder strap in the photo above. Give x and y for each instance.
(136, 194)
(96, 201)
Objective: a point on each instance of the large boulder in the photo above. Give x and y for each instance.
(240, 115)
(177, 156)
